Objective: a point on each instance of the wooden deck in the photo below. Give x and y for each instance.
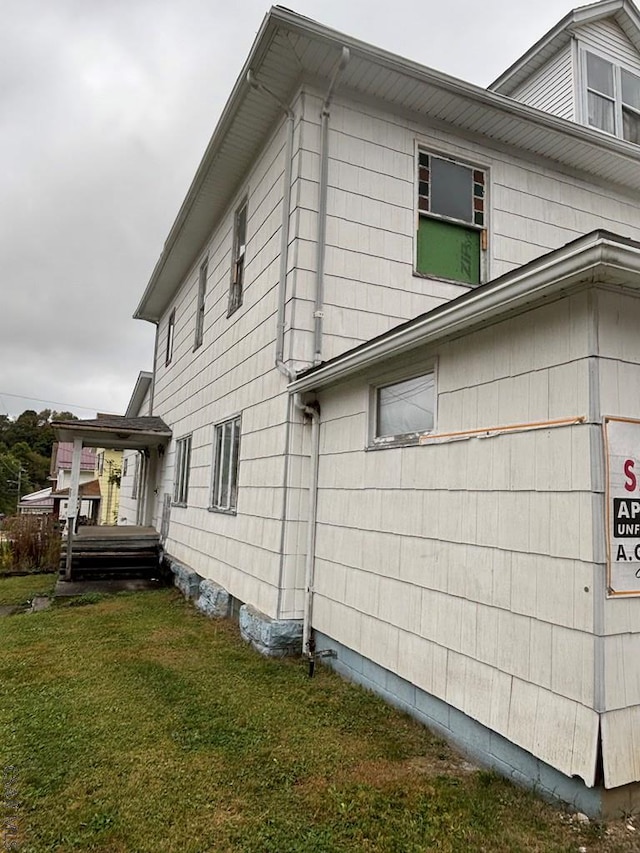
(113, 552)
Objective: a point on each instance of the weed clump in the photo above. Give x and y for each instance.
(29, 543)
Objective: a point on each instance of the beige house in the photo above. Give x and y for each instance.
(397, 354)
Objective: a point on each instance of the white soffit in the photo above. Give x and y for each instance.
(290, 49)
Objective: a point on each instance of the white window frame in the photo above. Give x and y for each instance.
(615, 99)
(230, 504)
(200, 305)
(376, 441)
(181, 469)
(171, 333)
(238, 258)
(422, 146)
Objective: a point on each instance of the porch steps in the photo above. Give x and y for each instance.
(113, 552)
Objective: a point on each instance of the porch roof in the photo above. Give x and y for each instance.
(598, 257)
(115, 431)
(88, 491)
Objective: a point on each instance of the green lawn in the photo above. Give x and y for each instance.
(133, 723)
(20, 590)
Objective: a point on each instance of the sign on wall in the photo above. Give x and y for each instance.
(622, 453)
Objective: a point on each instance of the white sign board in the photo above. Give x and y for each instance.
(622, 449)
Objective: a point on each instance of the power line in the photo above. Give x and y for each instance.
(53, 402)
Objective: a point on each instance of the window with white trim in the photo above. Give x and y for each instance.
(202, 292)
(452, 236)
(238, 258)
(226, 455)
(171, 329)
(612, 98)
(181, 470)
(404, 410)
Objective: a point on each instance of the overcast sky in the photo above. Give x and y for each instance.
(106, 107)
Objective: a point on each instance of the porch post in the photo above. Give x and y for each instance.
(72, 506)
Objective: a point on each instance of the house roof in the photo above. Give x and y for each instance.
(597, 257)
(36, 497)
(290, 50)
(143, 383)
(115, 431)
(45, 503)
(88, 491)
(624, 12)
(63, 454)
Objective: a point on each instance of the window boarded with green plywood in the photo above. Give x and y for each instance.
(446, 250)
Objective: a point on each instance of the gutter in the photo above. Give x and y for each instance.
(546, 276)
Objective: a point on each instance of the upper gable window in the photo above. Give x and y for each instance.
(612, 98)
(451, 238)
(238, 258)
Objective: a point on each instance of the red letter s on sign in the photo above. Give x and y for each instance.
(632, 481)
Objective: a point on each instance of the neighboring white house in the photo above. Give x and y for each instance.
(396, 321)
(133, 481)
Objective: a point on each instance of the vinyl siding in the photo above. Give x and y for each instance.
(231, 373)
(619, 316)
(467, 566)
(551, 89)
(369, 284)
(607, 38)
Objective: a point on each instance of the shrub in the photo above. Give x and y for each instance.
(30, 543)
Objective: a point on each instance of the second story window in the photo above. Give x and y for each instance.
(612, 98)
(451, 239)
(202, 292)
(238, 258)
(171, 328)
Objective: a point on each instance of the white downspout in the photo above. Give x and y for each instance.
(318, 314)
(313, 412)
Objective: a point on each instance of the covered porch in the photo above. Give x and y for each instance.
(114, 551)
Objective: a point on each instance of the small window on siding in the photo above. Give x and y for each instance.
(451, 236)
(238, 258)
(226, 450)
(404, 410)
(181, 473)
(171, 329)
(202, 292)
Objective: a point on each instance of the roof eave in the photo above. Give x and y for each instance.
(143, 382)
(597, 257)
(260, 44)
(527, 64)
(171, 267)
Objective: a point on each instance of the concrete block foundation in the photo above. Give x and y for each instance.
(213, 600)
(187, 581)
(271, 637)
